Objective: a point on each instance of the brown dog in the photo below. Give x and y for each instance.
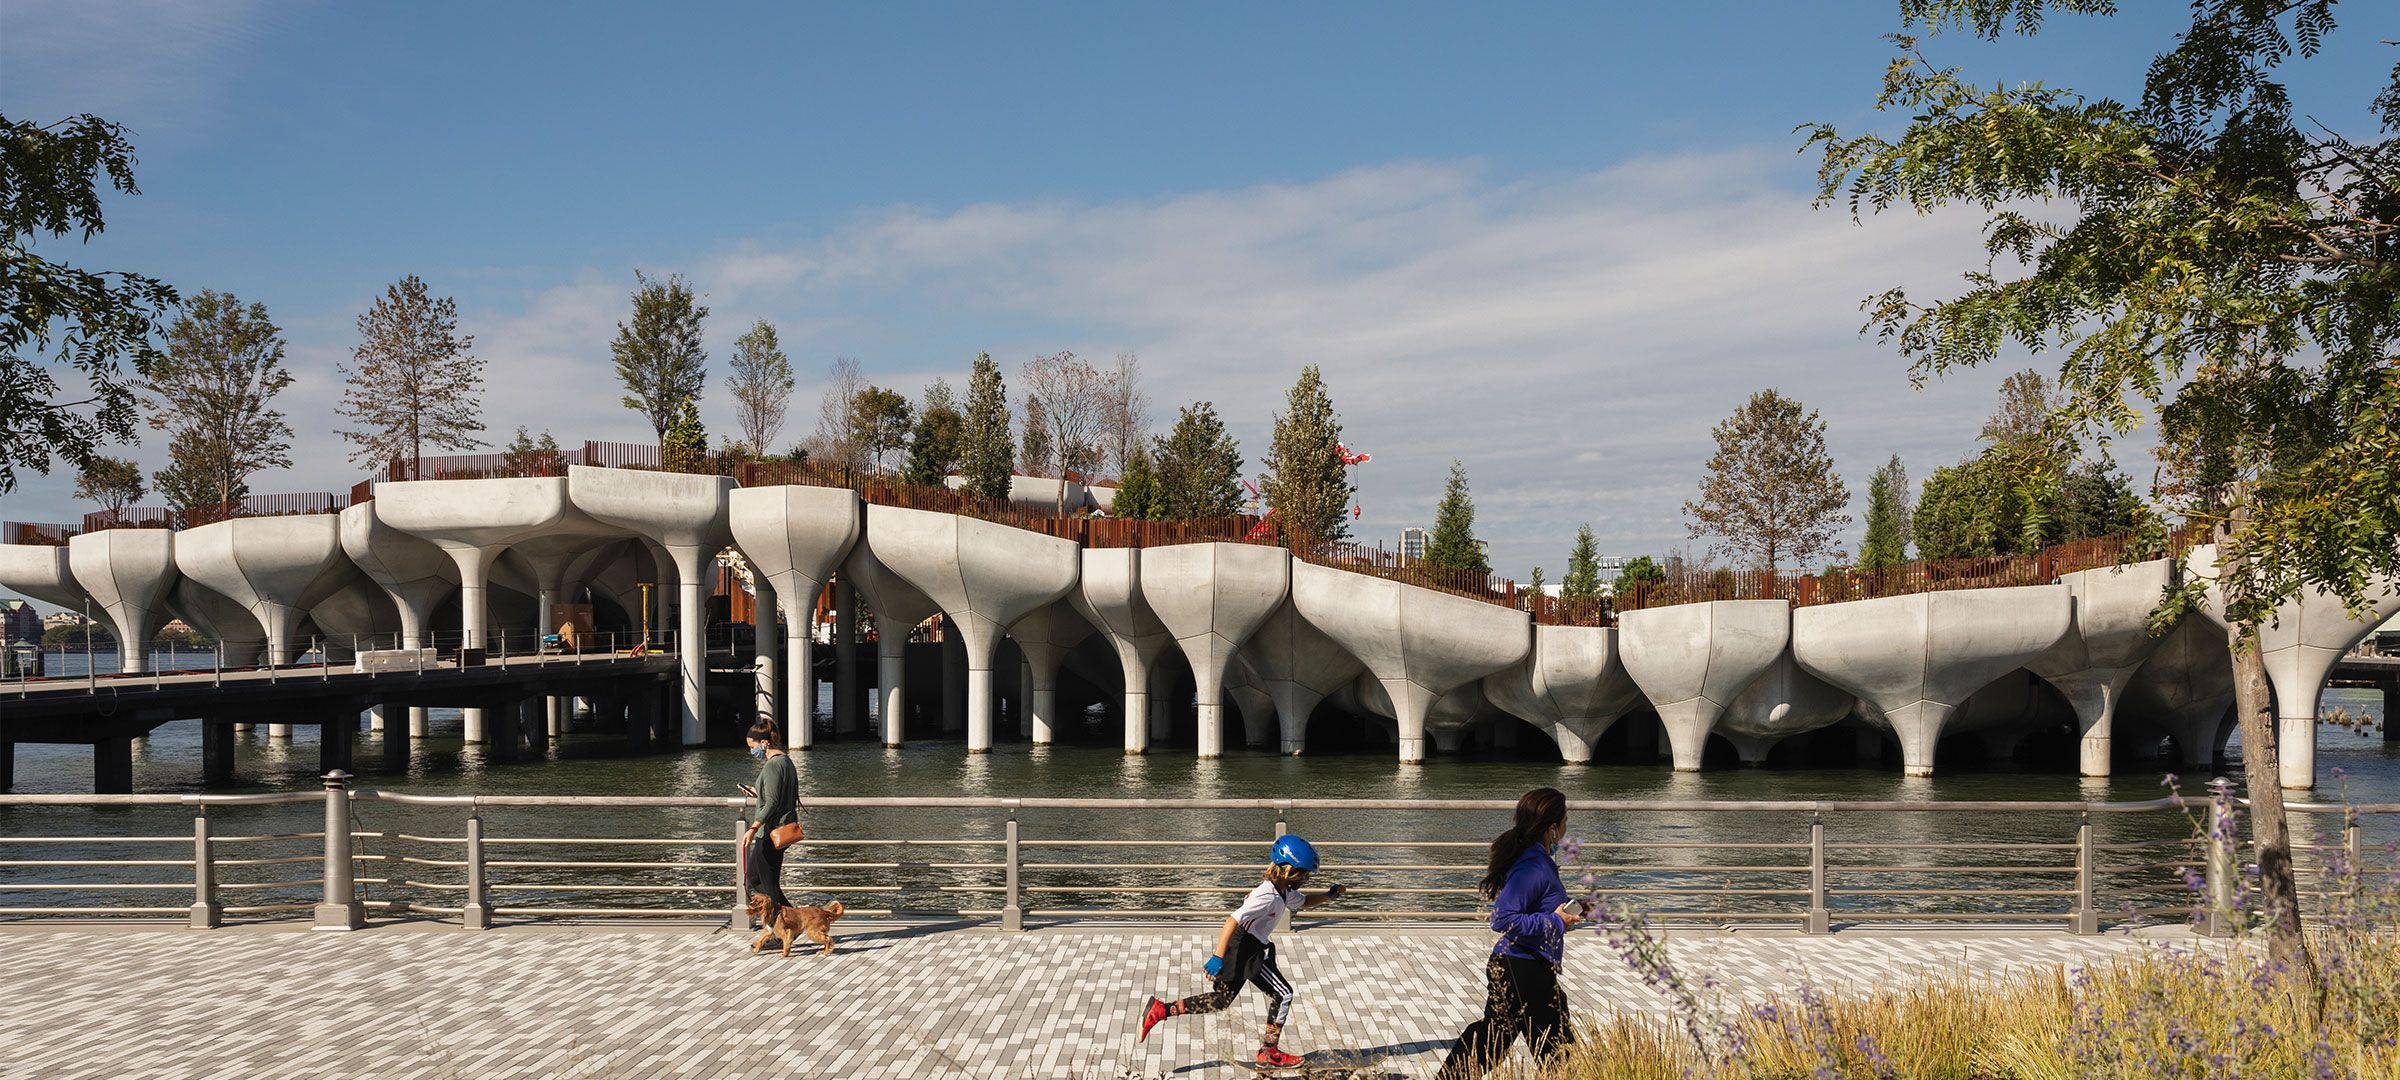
(792, 922)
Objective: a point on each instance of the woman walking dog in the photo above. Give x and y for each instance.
(776, 803)
(1532, 914)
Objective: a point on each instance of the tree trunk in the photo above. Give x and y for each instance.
(2270, 830)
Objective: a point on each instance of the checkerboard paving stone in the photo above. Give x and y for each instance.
(895, 1001)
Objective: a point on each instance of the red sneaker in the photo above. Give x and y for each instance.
(1151, 1015)
(1273, 1057)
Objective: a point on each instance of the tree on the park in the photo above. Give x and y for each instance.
(1125, 415)
(933, 444)
(189, 481)
(880, 420)
(214, 389)
(2027, 488)
(1638, 571)
(50, 187)
(528, 456)
(1452, 544)
(985, 448)
(1771, 496)
(112, 482)
(1533, 585)
(415, 383)
(1306, 481)
(684, 447)
(1199, 466)
(761, 385)
(1034, 452)
(1583, 568)
(838, 439)
(659, 358)
(2210, 250)
(1066, 404)
(1886, 543)
(1138, 495)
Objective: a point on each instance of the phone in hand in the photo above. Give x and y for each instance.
(1583, 909)
(748, 790)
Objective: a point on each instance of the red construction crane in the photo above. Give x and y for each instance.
(1266, 517)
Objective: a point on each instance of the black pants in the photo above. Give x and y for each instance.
(1522, 997)
(1252, 962)
(762, 872)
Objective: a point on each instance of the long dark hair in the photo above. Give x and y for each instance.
(1537, 812)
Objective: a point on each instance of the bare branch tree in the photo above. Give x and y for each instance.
(1125, 419)
(838, 441)
(1072, 399)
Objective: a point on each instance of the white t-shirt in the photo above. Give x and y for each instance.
(1264, 907)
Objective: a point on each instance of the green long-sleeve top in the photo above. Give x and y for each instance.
(778, 787)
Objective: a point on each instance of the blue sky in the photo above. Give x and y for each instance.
(1554, 242)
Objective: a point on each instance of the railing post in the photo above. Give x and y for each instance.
(1283, 814)
(2087, 913)
(2353, 846)
(1012, 913)
(1820, 921)
(207, 913)
(340, 910)
(741, 873)
(476, 913)
(2221, 880)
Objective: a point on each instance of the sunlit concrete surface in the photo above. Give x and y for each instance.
(2106, 642)
(2307, 637)
(2185, 690)
(128, 574)
(1573, 685)
(275, 568)
(1045, 637)
(1297, 666)
(891, 1002)
(685, 514)
(41, 572)
(1212, 597)
(1782, 702)
(1692, 660)
(1109, 596)
(794, 537)
(1418, 644)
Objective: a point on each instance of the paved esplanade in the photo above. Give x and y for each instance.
(893, 1002)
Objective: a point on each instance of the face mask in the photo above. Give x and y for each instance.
(761, 753)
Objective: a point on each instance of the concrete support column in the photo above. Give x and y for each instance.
(691, 590)
(979, 709)
(419, 723)
(279, 731)
(954, 682)
(535, 715)
(112, 765)
(333, 743)
(1024, 700)
(476, 728)
(2296, 744)
(849, 698)
(395, 749)
(1688, 724)
(1044, 714)
(800, 674)
(891, 677)
(375, 719)
(216, 752)
(766, 688)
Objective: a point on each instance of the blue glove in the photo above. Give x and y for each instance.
(1215, 966)
(1336, 892)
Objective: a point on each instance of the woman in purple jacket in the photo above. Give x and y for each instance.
(1532, 914)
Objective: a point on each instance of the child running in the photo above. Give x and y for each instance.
(1245, 951)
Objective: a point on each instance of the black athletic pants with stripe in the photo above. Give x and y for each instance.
(1252, 962)
(1521, 997)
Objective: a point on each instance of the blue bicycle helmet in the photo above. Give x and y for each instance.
(1292, 851)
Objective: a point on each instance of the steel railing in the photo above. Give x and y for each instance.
(321, 658)
(1815, 864)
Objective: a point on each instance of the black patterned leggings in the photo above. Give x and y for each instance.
(1252, 962)
(1521, 997)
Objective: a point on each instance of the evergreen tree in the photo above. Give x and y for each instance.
(1035, 453)
(528, 456)
(1533, 586)
(881, 420)
(1452, 545)
(1138, 495)
(1639, 571)
(659, 359)
(1583, 568)
(684, 447)
(933, 446)
(1887, 518)
(985, 450)
(213, 388)
(1770, 496)
(416, 382)
(1199, 467)
(1306, 481)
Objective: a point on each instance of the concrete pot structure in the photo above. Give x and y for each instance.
(1212, 597)
(1045, 637)
(1298, 666)
(898, 608)
(1693, 660)
(985, 577)
(795, 537)
(2186, 689)
(240, 640)
(41, 572)
(275, 568)
(1109, 596)
(128, 573)
(414, 573)
(685, 514)
(1915, 658)
(1573, 685)
(1419, 644)
(2309, 635)
(2106, 642)
(1783, 702)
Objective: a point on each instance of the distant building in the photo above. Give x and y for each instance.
(176, 626)
(1412, 544)
(19, 623)
(63, 618)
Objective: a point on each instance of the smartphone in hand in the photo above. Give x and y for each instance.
(1583, 909)
(748, 790)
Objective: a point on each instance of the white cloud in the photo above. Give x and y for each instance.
(1570, 338)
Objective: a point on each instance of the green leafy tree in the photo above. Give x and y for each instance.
(50, 186)
(1306, 481)
(112, 482)
(881, 418)
(1958, 516)
(2209, 250)
(1452, 545)
(1533, 585)
(1034, 453)
(761, 385)
(1639, 571)
(985, 452)
(214, 389)
(415, 383)
(1771, 495)
(528, 456)
(1886, 544)
(684, 446)
(1199, 466)
(2097, 500)
(190, 479)
(658, 355)
(1583, 568)
(933, 445)
(1138, 495)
